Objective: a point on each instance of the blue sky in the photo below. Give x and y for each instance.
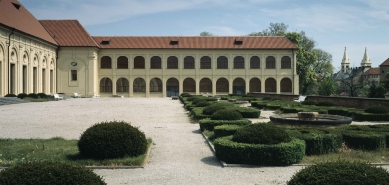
(333, 24)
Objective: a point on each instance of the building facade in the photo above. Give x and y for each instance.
(59, 56)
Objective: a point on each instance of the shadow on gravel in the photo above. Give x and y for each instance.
(196, 131)
(211, 160)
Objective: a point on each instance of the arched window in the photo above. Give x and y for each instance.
(205, 85)
(255, 62)
(139, 62)
(122, 85)
(255, 85)
(270, 62)
(189, 85)
(139, 85)
(238, 62)
(155, 62)
(106, 62)
(286, 85)
(270, 85)
(155, 85)
(105, 85)
(205, 62)
(122, 62)
(172, 62)
(286, 62)
(222, 85)
(222, 62)
(189, 62)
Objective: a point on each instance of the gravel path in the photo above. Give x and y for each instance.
(180, 155)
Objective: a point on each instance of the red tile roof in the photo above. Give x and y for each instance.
(385, 63)
(14, 15)
(196, 42)
(372, 71)
(68, 33)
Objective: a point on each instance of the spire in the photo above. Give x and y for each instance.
(345, 61)
(366, 60)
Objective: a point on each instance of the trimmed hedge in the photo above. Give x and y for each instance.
(48, 173)
(197, 113)
(340, 173)
(209, 110)
(10, 95)
(208, 124)
(317, 144)
(22, 95)
(261, 133)
(308, 102)
(247, 112)
(259, 154)
(225, 130)
(362, 116)
(226, 114)
(364, 141)
(202, 103)
(33, 95)
(377, 110)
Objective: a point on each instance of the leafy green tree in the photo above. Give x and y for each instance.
(275, 29)
(327, 86)
(376, 91)
(206, 34)
(323, 65)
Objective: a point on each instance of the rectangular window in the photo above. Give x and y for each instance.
(74, 75)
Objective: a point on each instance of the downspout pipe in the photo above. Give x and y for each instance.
(56, 67)
(9, 63)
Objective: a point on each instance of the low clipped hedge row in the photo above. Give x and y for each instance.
(259, 154)
(208, 124)
(364, 141)
(225, 130)
(365, 130)
(317, 144)
(362, 116)
(247, 112)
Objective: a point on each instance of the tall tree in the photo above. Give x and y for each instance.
(376, 91)
(327, 86)
(323, 65)
(275, 29)
(205, 33)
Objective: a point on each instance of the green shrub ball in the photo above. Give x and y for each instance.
(340, 173)
(209, 110)
(48, 173)
(226, 114)
(261, 133)
(109, 140)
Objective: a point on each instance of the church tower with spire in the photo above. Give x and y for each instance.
(366, 60)
(345, 61)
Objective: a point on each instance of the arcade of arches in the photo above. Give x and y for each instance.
(139, 87)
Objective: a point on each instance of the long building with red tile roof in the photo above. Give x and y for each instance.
(60, 56)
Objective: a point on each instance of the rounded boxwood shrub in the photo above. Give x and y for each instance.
(308, 102)
(203, 103)
(48, 173)
(226, 114)
(10, 95)
(41, 95)
(185, 95)
(197, 100)
(378, 109)
(341, 173)
(33, 95)
(22, 95)
(325, 103)
(261, 133)
(209, 110)
(115, 139)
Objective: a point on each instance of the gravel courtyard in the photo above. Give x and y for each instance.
(180, 154)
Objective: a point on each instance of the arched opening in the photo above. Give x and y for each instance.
(286, 85)
(189, 62)
(205, 85)
(106, 62)
(286, 62)
(122, 62)
(222, 86)
(122, 85)
(205, 62)
(270, 62)
(255, 62)
(155, 62)
(239, 86)
(139, 62)
(172, 62)
(105, 85)
(139, 85)
(189, 85)
(255, 85)
(270, 85)
(172, 87)
(155, 85)
(1, 70)
(239, 62)
(222, 62)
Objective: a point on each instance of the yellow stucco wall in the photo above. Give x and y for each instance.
(31, 64)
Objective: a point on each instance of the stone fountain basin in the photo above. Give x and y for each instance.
(322, 119)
